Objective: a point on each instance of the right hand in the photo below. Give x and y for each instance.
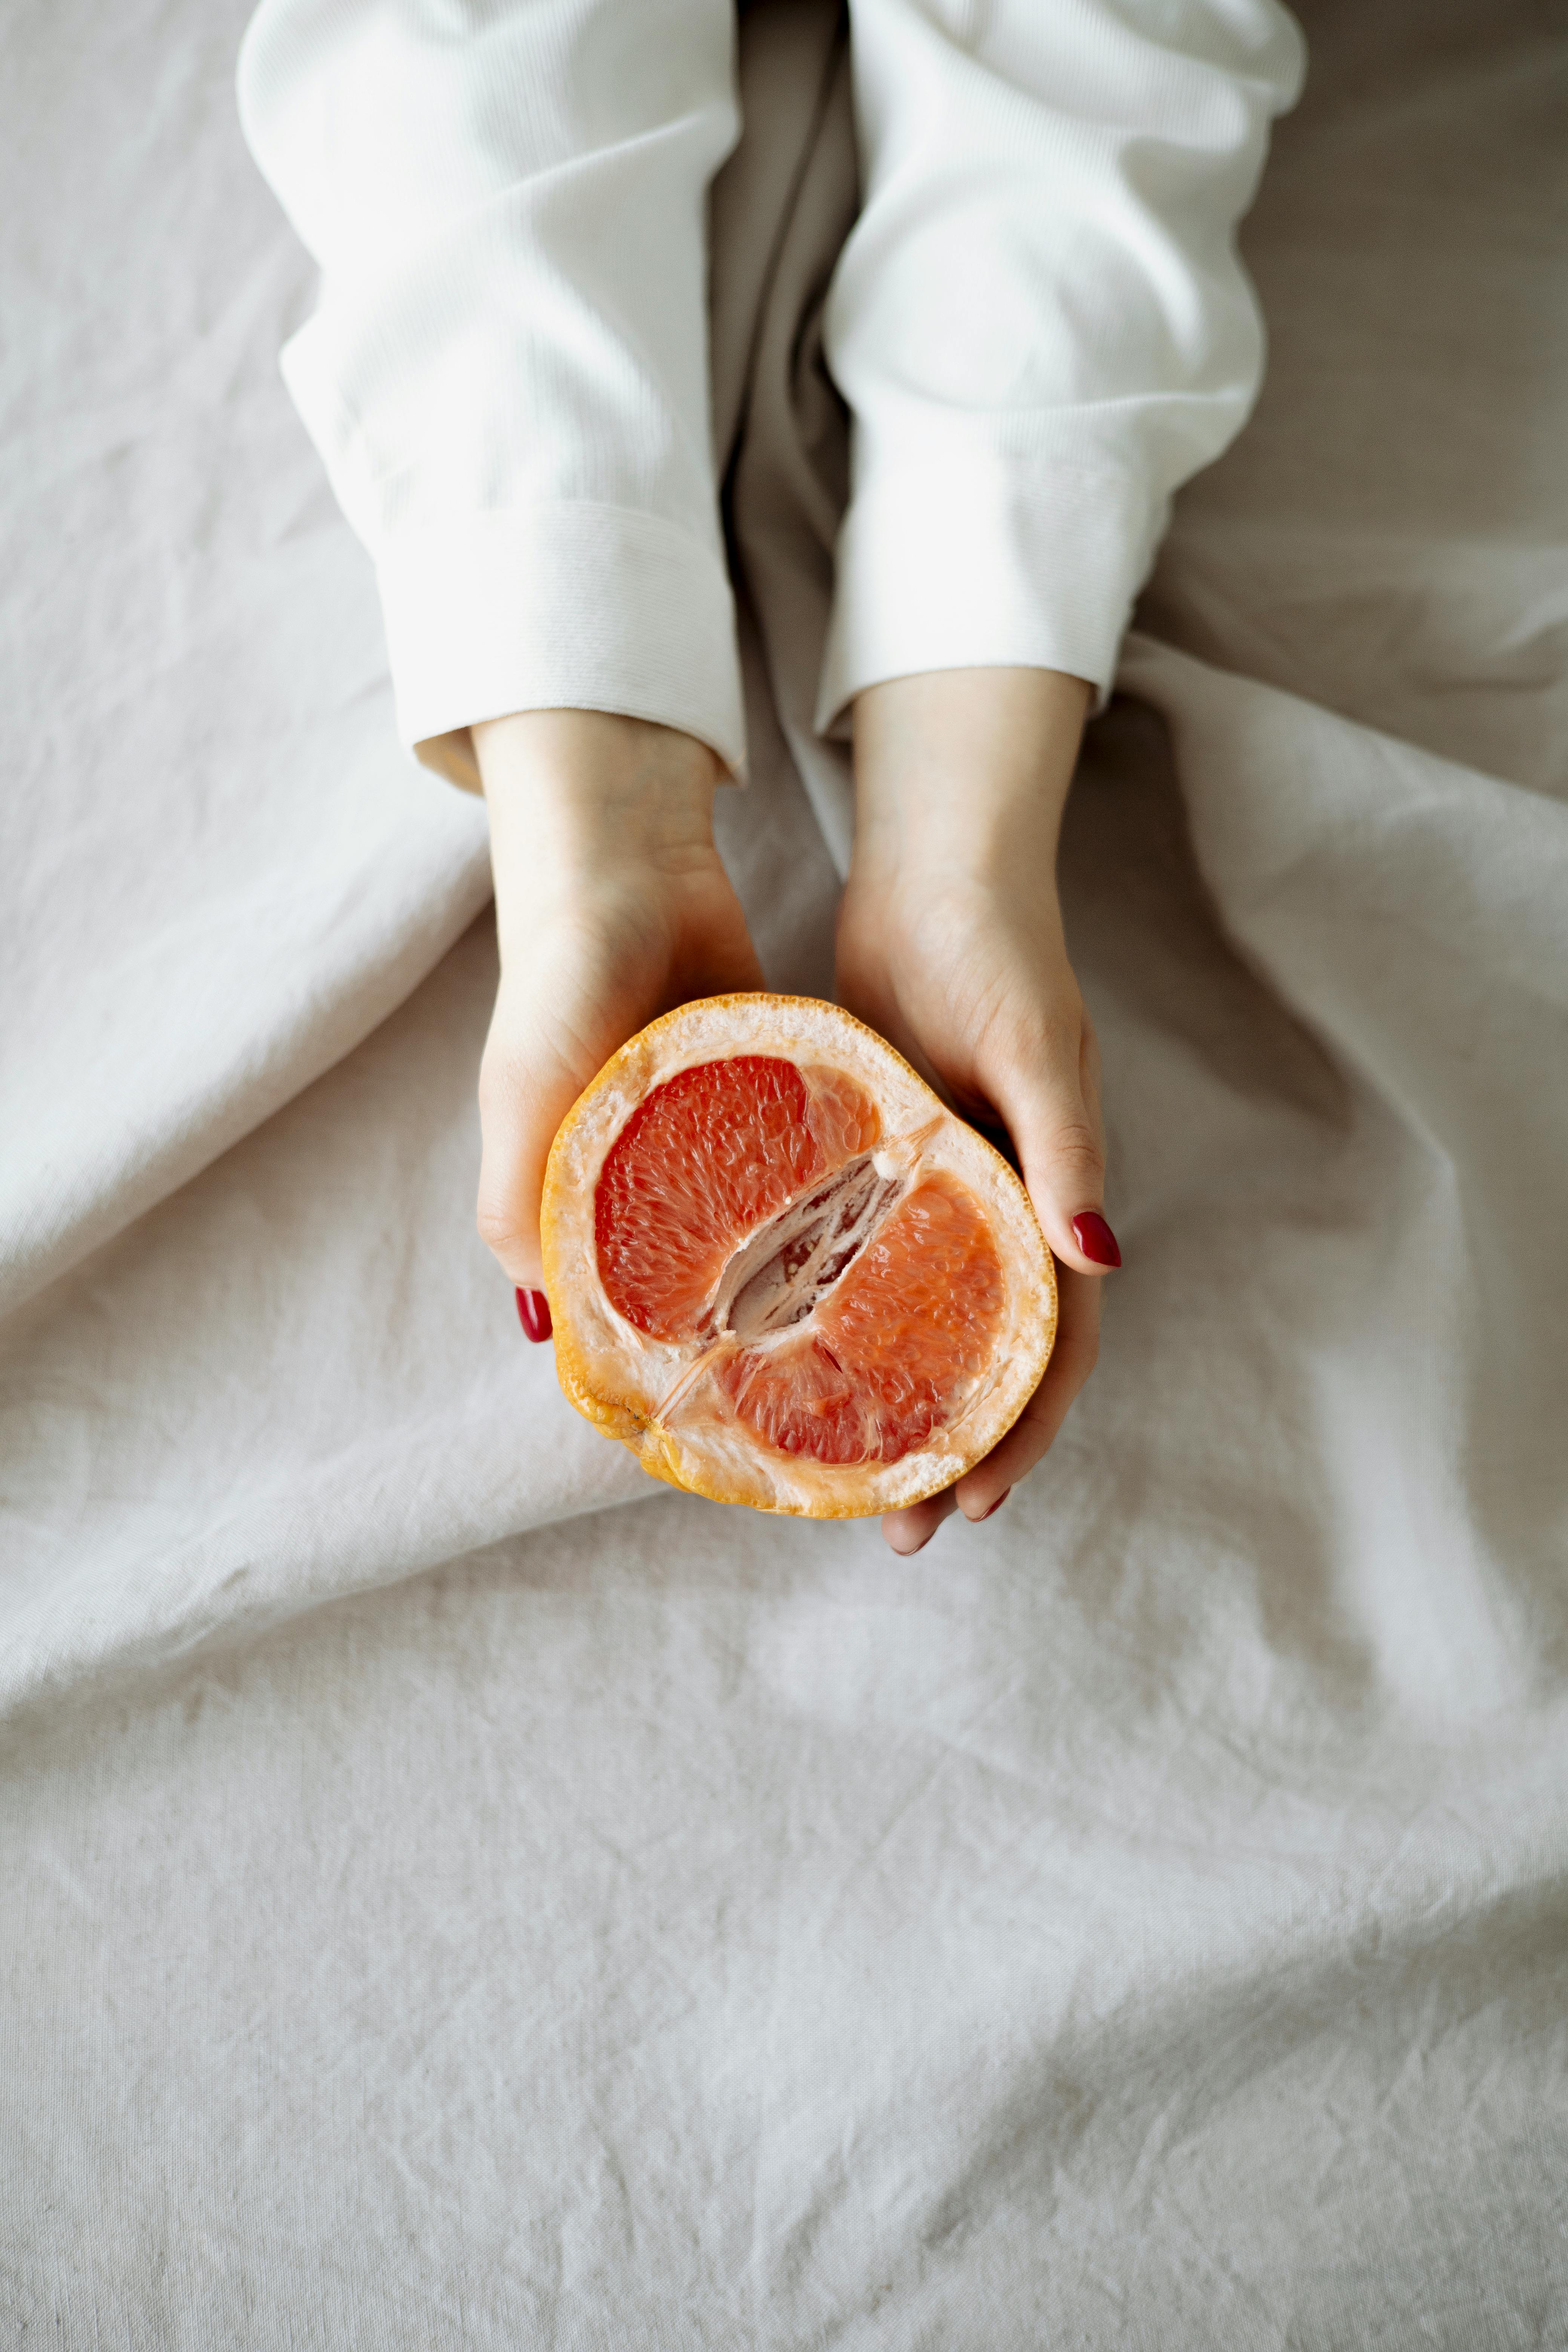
(951, 943)
(611, 907)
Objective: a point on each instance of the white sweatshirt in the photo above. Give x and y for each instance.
(1039, 324)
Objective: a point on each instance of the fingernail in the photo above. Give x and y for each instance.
(1095, 1238)
(533, 1314)
(995, 1506)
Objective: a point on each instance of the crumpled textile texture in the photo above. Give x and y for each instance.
(455, 1894)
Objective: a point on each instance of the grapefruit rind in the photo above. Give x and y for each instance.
(618, 1377)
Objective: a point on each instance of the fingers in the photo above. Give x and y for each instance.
(1047, 1091)
(911, 1529)
(569, 998)
(527, 1086)
(988, 1487)
(1072, 1359)
(1050, 1099)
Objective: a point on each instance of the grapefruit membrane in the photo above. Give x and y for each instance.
(782, 1271)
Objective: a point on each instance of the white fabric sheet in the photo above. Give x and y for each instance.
(457, 1894)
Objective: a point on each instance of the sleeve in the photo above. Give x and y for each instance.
(1039, 322)
(507, 372)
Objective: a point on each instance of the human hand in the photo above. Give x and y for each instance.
(611, 907)
(951, 944)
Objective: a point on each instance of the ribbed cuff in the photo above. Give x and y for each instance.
(574, 607)
(955, 563)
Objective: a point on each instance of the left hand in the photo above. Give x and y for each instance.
(951, 944)
(612, 906)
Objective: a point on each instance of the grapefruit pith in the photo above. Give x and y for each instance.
(782, 1271)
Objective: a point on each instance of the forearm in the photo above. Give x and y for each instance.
(507, 374)
(1039, 320)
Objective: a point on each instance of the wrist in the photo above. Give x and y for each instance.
(591, 801)
(962, 775)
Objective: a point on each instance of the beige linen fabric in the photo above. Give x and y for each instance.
(455, 1895)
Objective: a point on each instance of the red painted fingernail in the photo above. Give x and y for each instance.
(533, 1314)
(1095, 1238)
(995, 1506)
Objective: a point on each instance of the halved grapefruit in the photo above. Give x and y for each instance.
(782, 1271)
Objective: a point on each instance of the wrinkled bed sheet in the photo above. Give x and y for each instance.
(453, 1893)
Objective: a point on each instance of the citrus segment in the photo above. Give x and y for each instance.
(897, 1346)
(711, 1153)
(842, 1117)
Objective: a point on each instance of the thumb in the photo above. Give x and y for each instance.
(567, 1002)
(527, 1086)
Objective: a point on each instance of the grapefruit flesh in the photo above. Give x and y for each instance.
(709, 1156)
(897, 1342)
(783, 1272)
